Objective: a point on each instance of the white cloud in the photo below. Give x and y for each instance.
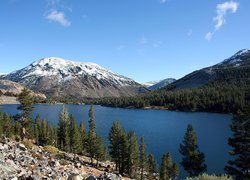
(209, 36)
(58, 17)
(220, 19)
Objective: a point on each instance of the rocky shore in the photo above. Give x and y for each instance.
(19, 161)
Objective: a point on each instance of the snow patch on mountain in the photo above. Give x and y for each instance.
(66, 70)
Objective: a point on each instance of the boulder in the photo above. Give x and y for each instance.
(21, 147)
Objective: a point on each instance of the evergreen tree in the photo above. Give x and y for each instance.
(63, 130)
(91, 141)
(37, 129)
(193, 160)
(100, 153)
(74, 137)
(118, 146)
(133, 155)
(26, 107)
(82, 134)
(239, 168)
(143, 157)
(151, 167)
(175, 171)
(8, 125)
(168, 159)
(163, 168)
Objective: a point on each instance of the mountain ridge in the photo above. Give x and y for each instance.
(57, 77)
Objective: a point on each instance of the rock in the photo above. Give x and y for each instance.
(21, 147)
(75, 177)
(91, 177)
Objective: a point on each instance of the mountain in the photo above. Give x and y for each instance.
(239, 61)
(150, 83)
(161, 84)
(57, 77)
(9, 90)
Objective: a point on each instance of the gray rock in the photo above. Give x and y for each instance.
(21, 147)
(91, 177)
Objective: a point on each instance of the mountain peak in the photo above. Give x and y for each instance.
(239, 58)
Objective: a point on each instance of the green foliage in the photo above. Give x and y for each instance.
(239, 168)
(63, 130)
(26, 107)
(193, 160)
(163, 168)
(118, 146)
(133, 155)
(143, 157)
(83, 136)
(51, 149)
(74, 137)
(100, 152)
(28, 144)
(151, 167)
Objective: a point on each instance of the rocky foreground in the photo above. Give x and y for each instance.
(18, 161)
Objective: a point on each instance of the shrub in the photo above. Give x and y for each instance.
(51, 149)
(28, 144)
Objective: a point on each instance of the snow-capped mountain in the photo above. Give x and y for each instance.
(161, 84)
(58, 77)
(150, 83)
(201, 77)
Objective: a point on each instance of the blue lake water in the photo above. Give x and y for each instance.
(163, 130)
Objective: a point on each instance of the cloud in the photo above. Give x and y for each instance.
(58, 17)
(220, 19)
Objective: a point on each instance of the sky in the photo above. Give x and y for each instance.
(142, 39)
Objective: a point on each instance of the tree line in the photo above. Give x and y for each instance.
(125, 149)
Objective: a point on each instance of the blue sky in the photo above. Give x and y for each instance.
(142, 39)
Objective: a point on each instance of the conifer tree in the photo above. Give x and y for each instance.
(100, 153)
(118, 146)
(143, 157)
(91, 141)
(169, 163)
(133, 155)
(151, 167)
(175, 171)
(239, 168)
(37, 129)
(74, 137)
(193, 160)
(8, 125)
(82, 134)
(163, 168)
(26, 107)
(63, 130)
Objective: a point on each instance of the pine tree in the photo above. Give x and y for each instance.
(163, 168)
(74, 137)
(133, 155)
(168, 159)
(83, 136)
(118, 146)
(91, 141)
(175, 171)
(63, 130)
(37, 129)
(239, 168)
(151, 167)
(143, 157)
(8, 125)
(100, 153)
(26, 106)
(193, 160)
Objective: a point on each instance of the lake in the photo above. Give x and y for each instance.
(163, 130)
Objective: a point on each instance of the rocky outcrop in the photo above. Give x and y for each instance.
(20, 162)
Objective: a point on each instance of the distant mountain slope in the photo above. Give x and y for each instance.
(162, 83)
(201, 77)
(57, 77)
